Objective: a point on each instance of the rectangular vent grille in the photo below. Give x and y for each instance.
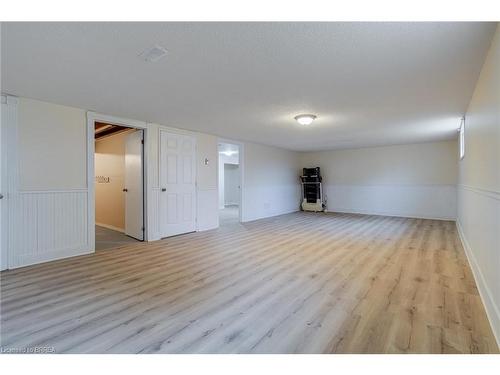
(153, 54)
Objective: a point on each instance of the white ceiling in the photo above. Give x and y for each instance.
(368, 83)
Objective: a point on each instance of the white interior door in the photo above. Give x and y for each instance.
(177, 184)
(134, 197)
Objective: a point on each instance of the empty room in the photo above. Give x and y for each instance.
(250, 187)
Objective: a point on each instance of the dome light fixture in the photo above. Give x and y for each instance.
(305, 119)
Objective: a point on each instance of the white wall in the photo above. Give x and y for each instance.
(416, 180)
(270, 181)
(52, 146)
(479, 185)
(208, 213)
(47, 199)
(48, 206)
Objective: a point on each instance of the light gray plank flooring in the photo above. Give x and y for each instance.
(297, 283)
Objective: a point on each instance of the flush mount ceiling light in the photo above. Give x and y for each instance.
(305, 119)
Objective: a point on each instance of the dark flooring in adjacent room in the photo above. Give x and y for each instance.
(108, 239)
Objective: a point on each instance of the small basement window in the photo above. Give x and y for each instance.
(462, 139)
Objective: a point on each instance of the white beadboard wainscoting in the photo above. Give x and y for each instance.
(208, 200)
(479, 228)
(420, 201)
(48, 225)
(272, 200)
(153, 216)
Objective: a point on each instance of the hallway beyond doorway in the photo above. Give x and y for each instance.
(229, 184)
(229, 215)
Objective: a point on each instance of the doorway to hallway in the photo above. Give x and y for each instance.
(229, 183)
(119, 185)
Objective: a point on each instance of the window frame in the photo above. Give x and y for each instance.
(461, 139)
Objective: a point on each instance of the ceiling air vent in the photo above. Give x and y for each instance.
(153, 54)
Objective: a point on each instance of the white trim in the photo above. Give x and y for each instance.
(241, 163)
(416, 201)
(114, 120)
(91, 118)
(426, 201)
(9, 99)
(390, 214)
(492, 310)
(51, 256)
(10, 178)
(272, 215)
(84, 190)
(107, 226)
(386, 185)
(487, 193)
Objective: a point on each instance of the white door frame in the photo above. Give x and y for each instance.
(9, 180)
(241, 166)
(92, 117)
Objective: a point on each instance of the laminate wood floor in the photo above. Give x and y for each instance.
(297, 283)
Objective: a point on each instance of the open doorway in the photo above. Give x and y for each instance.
(229, 183)
(119, 185)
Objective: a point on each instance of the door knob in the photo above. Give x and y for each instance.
(163, 189)
(1, 196)
(125, 190)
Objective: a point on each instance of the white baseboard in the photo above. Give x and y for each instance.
(271, 215)
(30, 260)
(207, 209)
(122, 230)
(412, 200)
(381, 213)
(492, 311)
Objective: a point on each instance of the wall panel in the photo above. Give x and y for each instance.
(479, 185)
(414, 180)
(421, 201)
(49, 225)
